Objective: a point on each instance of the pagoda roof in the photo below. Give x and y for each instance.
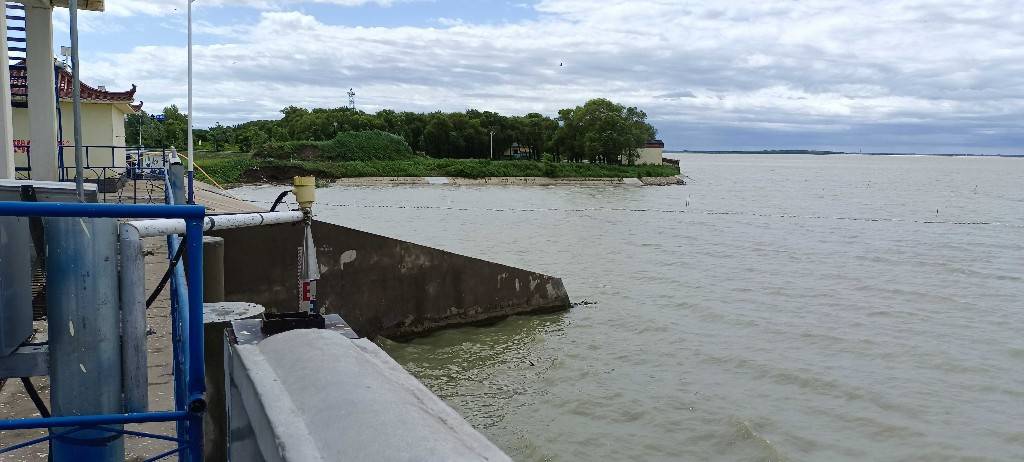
(90, 94)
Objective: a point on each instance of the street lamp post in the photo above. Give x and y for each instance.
(76, 101)
(492, 144)
(191, 149)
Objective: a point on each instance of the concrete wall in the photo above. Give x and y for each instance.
(649, 156)
(315, 395)
(381, 286)
(102, 125)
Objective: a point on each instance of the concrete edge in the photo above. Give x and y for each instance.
(304, 382)
(422, 328)
(293, 441)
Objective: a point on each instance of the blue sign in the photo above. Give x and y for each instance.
(159, 117)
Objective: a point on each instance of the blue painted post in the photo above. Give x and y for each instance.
(191, 188)
(196, 360)
(84, 333)
(174, 189)
(93, 443)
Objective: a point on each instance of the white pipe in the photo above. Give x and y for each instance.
(165, 227)
(133, 296)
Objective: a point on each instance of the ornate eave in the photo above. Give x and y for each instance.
(90, 94)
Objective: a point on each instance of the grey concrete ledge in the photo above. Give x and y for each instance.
(314, 395)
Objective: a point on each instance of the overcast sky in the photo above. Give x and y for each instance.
(912, 76)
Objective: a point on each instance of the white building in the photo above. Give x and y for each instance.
(103, 114)
(650, 153)
(37, 87)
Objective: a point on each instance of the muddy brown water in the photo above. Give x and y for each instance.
(798, 308)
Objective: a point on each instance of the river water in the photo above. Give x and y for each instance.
(802, 308)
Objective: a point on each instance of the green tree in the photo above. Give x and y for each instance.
(175, 127)
(219, 137)
(436, 136)
(152, 131)
(601, 131)
(250, 137)
(598, 131)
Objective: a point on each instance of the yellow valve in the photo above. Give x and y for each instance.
(304, 188)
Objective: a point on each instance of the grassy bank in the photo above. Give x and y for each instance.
(242, 168)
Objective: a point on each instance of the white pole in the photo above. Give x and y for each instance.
(6, 117)
(76, 97)
(492, 144)
(191, 150)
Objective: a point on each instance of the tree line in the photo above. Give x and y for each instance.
(599, 131)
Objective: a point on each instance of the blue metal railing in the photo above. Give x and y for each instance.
(139, 164)
(187, 311)
(111, 176)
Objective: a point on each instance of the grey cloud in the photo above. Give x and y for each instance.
(912, 73)
(677, 95)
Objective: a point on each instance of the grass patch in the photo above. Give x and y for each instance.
(241, 168)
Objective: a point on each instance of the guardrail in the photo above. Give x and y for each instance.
(113, 169)
(187, 335)
(134, 162)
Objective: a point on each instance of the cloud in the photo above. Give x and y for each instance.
(163, 8)
(921, 74)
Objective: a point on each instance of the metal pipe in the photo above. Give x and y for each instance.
(191, 150)
(76, 97)
(196, 360)
(84, 332)
(135, 373)
(179, 335)
(91, 420)
(164, 227)
(62, 209)
(173, 186)
(175, 182)
(189, 397)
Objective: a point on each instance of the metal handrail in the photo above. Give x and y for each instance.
(189, 372)
(140, 164)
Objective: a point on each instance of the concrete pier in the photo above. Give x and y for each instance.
(382, 286)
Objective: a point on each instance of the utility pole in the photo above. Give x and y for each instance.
(76, 98)
(492, 144)
(191, 149)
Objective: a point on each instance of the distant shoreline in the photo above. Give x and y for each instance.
(840, 153)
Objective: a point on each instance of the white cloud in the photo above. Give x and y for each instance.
(815, 65)
(163, 7)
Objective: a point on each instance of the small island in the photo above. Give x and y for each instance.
(599, 140)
